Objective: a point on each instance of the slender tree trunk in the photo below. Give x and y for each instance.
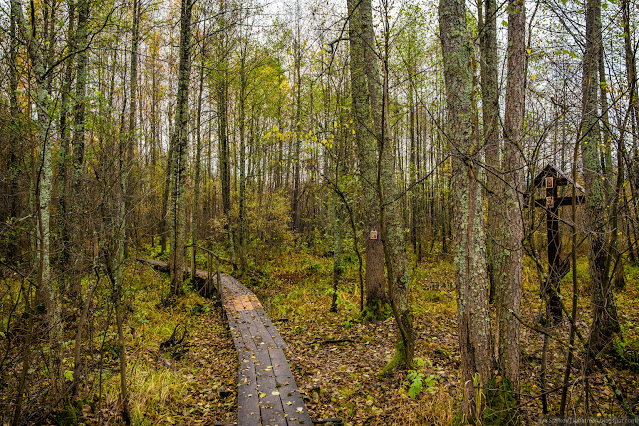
(14, 129)
(298, 129)
(198, 158)
(492, 140)
(78, 365)
(155, 139)
(605, 324)
(78, 149)
(615, 257)
(338, 268)
(471, 277)
(43, 189)
(631, 72)
(242, 231)
(117, 265)
(633, 111)
(606, 152)
(132, 128)
(613, 191)
(165, 196)
(178, 179)
(509, 284)
(64, 197)
(412, 169)
(395, 255)
(222, 114)
(366, 153)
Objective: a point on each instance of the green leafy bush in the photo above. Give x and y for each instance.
(418, 380)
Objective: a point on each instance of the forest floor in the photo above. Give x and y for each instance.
(340, 380)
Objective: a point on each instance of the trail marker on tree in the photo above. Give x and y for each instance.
(550, 179)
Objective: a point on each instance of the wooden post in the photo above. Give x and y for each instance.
(186, 248)
(193, 266)
(550, 179)
(209, 267)
(219, 279)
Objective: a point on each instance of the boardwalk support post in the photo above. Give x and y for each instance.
(209, 266)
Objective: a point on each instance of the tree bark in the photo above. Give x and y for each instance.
(78, 150)
(64, 197)
(131, 136)
(222, 114)
(43, 184)
(393, 242)
(509, 284)
(605, 324)
(13, 248)
(631, 73)
(366, 153)
(195, 214)
(471, 277)
(242, 231)
(298, 128)
(180, 135)
(492, 141)
(338, 267)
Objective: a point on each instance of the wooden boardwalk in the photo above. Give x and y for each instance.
(266, 391)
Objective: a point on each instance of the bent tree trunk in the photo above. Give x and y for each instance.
(394, 244)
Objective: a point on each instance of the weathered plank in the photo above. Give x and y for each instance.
(248, 408)
(266, 391)
(279, 398)
(292, 401)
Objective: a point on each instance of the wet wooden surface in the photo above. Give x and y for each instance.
(266, 390)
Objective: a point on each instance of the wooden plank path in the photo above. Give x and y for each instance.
(266, 391)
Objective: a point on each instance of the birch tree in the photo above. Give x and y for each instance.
(46, 292)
